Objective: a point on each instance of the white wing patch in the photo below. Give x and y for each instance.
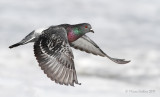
(40, 30)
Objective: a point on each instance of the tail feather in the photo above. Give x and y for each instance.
(15, 45)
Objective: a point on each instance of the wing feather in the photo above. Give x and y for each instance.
(86, 44)
(55, 56)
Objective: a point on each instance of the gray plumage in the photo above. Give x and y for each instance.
(55, 56)
(52, 50)
(86, 44)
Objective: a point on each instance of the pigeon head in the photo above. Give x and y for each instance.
(78, 30)
(85, 27)
(81, 29)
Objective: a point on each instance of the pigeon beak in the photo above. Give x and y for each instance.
(91, 30)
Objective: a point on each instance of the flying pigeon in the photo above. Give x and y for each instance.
(52, 49)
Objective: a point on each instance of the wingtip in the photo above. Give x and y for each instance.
(119, 61)
(125, 62)
(122, 61)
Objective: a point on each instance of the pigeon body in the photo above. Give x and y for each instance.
(52, 49)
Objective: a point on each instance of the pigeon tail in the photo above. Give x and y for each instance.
(15, 45)
(31, 37)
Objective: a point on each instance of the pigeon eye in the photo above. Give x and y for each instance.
(86, 26)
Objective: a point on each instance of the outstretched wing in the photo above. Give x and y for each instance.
(86, 44)
(55, 56)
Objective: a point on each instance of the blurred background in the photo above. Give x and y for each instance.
(127, 29)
